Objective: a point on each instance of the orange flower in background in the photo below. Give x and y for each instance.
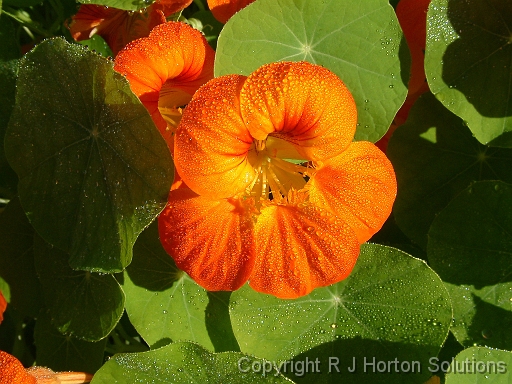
(119, 27)
(412, 15)
(279, 194)
(13, 372)
(3, 306)
(165, 69)
(222, 10)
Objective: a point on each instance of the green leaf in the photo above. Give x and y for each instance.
(128, 5)
(65, 352)
(468, 64)
(9, 54)
(17, 260)
(360, 41)
(5, 290)
(470, 244)
(392, 306)
(84, 304)
(185, 363)
(94, 170)
(435, 158)
(98, 44)
(164, 304)
(208, 25)
(479, 365)
(22, 3)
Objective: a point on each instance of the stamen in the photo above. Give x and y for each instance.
(277, 187)
(292, 168)
(254, 180)
(260, 145)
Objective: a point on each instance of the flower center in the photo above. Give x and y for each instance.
(171, 102)
(279, 170)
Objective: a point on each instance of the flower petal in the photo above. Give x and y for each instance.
(288, 100)
(222, 10)
(359, 186)
(174, 59)
(116, 26)
(212, 143)
(3, 306)
(211, 240)
(300, 248)
(172, 6)
(12, 371)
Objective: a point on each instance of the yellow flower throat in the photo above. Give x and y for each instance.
(274, 176)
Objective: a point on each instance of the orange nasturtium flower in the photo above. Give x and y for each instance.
(248, 213)
(165, 69)
(3, 306)
(412, 15)
(222, 10)
(119, 27)
(13, 372)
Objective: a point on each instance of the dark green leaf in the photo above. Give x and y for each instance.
(65, 352)
(9, 54)
(470, 244)
(128, 5)
(218, 322)
(361, 44)
(22, 3)
(17, 260)
(479, 365)
(435, 158)
(163, 303)
(185, 363)
(392, 306)
(87, 305)
(468, 64)
(94, 170)
(208, 25)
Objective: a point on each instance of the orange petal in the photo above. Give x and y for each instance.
(359, 186)
(172, 6)
(47, 376)
(12, 371)
(91, 19)
(212, 143)
(170, 64)
(302, 103)
(412, 15)
(116, 26)
(3, 306)
(301, 248)
(211, 240)
(222, 10)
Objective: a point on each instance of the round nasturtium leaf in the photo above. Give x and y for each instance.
(84, 304)
(17, 260)
(469, 247)
(64, 352)
(435, 157)
(392, 306)
(127, 5)
(360, 41)
(9, 55)
(94, 170)
(468, 63)
(163, 303)
(477, 365)
(186, 362)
